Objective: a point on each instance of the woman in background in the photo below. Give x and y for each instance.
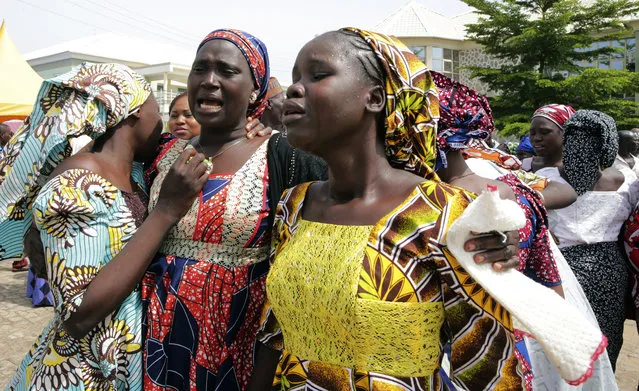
(588, 230)
(182, 124)
(547, 136)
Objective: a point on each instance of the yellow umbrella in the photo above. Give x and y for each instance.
(19, 83)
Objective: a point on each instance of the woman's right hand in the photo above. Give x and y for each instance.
(182, 184)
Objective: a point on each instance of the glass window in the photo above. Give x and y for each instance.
(446, 61)
(448, 66)
(616, 65)
(419, 51)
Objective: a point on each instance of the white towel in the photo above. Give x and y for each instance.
(571, 342)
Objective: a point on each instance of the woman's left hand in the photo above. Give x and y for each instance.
(492, 248)
(255, 128)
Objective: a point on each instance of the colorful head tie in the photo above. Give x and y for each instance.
(85, 101)
(412, 105)
(274, 88)
(465, 115)
(557, 113)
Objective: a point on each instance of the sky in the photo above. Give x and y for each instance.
(284, 25)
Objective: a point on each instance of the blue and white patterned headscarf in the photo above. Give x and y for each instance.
(85, 101)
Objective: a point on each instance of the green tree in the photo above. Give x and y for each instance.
(543, 39)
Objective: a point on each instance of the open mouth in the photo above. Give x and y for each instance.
(210, 105)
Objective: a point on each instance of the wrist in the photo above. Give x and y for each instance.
(165, 215)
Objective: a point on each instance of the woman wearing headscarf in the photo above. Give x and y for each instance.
(362, 293)
(588, 230)
(466, 116)
(546, 136)
(89, 212)
(205, 291)
(272, 116)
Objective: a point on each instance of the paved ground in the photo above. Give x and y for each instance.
(20, 324)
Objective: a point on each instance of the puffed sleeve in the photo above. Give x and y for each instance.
(80, 228)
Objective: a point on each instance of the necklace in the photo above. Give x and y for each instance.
(234, 143)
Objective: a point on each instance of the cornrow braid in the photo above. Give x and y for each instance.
(370, 64)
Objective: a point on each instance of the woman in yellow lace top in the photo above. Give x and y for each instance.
(362, 293)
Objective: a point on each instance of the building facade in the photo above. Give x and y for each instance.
(166, 67)
(441, 42)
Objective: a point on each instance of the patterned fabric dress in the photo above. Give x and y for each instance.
(371, 307)
(535, 254)
(205, 290)
(84, 222)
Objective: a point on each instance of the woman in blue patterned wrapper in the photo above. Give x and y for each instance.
(87, 208)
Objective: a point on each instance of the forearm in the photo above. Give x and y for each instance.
(116, 280)
(264, 371)
(558, 289)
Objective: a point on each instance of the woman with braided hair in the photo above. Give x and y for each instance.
(363, 291)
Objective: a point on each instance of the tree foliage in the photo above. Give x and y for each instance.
(543, 40)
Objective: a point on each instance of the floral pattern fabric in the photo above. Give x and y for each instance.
(535, 254)
(403, 268)
(88, 100)
(84, 222)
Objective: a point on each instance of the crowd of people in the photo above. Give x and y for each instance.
(298, 239)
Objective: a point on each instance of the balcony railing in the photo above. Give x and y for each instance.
(164, 99)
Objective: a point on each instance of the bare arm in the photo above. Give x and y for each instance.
(558, 195)
(265, 366)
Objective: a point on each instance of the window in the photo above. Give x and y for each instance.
(446, 61)
(419, 51)
(623, 59)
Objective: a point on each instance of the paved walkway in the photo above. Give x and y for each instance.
(20, 324)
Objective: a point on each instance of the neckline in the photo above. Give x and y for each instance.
(384, 218)
(108, 182)
(242, 167)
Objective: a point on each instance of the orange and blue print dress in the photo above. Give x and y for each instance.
(205, 290)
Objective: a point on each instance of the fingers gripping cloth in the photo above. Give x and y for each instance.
(571, 342)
